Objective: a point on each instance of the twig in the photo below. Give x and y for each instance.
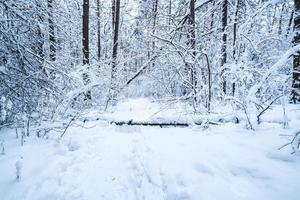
(291, 143)
(244, 108)
(69, 124)
(266, 108)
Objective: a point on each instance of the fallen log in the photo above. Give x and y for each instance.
(162, 124)
(167, 123)
(131, 123)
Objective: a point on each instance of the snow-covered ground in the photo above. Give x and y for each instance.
(104, 161)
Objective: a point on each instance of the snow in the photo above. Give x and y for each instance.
(281, 62)
(104, 161)
(144, 110)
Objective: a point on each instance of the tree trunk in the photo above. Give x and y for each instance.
(85, 43)
(154, 14)
(98, 31)
(237, 6)
(296, 63)
(85, 32)
(224, 39)
(52, 39)
(290, 23)
(193, 44)
(116, 37)
(280, 20)
(170, 14)
(235, 29)
(116, 23)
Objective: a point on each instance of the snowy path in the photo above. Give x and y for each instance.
(116, 163)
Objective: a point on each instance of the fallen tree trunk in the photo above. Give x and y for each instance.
(131, 123)
(166, 123)
(161, 124)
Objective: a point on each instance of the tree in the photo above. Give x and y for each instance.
(116, 23)
(235, 30)
(85, 43)
(193, 46)
(224, 40)
(296, 63)
(154, 15)
(98, 31)
(85, 32)
(52, 38)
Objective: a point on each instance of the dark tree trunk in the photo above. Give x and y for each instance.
(224, 39)
(235, 29)
(154, 13)
(280, 20)
(296, 63)
(98, 31)
(235, 23)
(52, 39)
(85, 32)
(290, 23)
(170, 14)
(116, 22)
(193, 43)
(85, 43)
(116, 37)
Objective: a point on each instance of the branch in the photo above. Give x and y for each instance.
(244, 108)
(266, 108)
(282, 61)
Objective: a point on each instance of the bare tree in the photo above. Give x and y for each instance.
(85, 42)
(235, 30)
(98, 31)
(224, 40)
(154, 15)
(85, 32)
(116, 37)
(52, 38)
(296, 63)
(193, 45)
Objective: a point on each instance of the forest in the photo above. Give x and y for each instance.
(149, 99)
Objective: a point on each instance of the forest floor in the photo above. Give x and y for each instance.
(109, 162)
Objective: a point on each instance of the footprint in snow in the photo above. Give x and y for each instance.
(178, 196)
(282, 158)
(249, 172)
(203, 169)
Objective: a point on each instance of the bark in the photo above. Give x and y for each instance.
(280, 20)
(154, 13)
(116, 37)
(209, 82)
(85, 32)
(193, 43)
(224, 40)
(85, 43)
(98, 31)
(290, 23)
(296, 64)
(170, 14)
(52, 38)
(235, 29)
